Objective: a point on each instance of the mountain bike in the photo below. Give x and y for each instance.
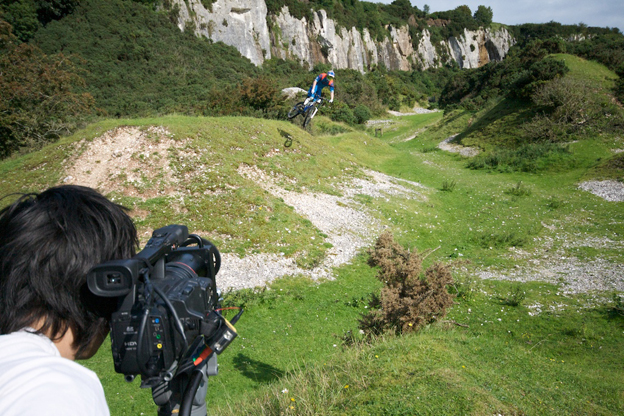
(307, 108)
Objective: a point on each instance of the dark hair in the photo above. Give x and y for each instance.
(48, 244)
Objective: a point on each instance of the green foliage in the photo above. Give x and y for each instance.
(519, 75)
(341, 112)
(608, 49)
(362, 114)
(537, 74)
(139, 63)
(38, 95)
(528, 32)
(484, 15)
(208, 4)
(28, 16)
(519, 189)
(249, 298)
(515, 297)
(609, 168)
(618, 304)
(297, 9)
(260, 93)
(530, 157)
(448, 185)
(458, 19)
(500, 239)
(22, 16)
(568, 107)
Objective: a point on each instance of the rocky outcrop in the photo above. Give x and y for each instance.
(245, 25)
(240, 23)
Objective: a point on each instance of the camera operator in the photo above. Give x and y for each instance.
(48, 317)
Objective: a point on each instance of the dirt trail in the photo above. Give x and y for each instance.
(143, 154)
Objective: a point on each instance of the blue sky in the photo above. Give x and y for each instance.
(600, 13)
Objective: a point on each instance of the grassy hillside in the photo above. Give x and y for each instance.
(551, 352)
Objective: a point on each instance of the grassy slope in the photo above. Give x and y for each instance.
(509, 360)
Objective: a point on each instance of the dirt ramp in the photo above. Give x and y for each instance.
(128, 160)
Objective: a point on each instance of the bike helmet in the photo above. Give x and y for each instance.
(331, 74)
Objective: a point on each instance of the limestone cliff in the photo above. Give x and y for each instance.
(245, 25)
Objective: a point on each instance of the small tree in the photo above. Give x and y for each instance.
(484, 15)
(408, 301)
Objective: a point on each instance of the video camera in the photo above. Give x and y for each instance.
(167, 325)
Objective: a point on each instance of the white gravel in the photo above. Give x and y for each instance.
(448, 145)
(416, 110)
(609, 190)
(348, 227)
(553, 262)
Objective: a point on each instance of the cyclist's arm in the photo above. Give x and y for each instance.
(331, 96)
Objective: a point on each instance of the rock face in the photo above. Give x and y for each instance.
(245, 25)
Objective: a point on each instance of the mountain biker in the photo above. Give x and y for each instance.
(322, 80)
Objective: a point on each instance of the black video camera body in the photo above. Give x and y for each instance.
(167, 305)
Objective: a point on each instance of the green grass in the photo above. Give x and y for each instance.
(508, 360)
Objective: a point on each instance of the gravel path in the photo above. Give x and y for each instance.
(448, 145)
(553, 262)
(609, 190)
(348, 227)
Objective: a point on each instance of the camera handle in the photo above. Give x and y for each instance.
(169, 394)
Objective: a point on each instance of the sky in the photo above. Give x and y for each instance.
(600, 13)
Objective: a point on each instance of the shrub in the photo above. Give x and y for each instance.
(568, 107)
(362, 114)
(394, 104)
(448, 186)
(513, 298)
(407, 301)
(531, 157)
(342, 112)
(618, 304)
(260, 93)
(500, 239)
(518, 189)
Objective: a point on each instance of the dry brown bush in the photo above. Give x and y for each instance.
(408, 300)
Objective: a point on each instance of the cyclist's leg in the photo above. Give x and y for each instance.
(311, 96)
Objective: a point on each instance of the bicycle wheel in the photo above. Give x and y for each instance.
(310, 114)
(296, 110)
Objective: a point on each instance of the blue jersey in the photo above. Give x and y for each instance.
(322, 81)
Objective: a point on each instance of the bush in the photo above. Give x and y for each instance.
(518, 189)
(362, 114)
(260, 93)
(531, 157)
(407, 301)
(394, 104)
(341, 112)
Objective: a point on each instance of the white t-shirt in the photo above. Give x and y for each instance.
(35, 380)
